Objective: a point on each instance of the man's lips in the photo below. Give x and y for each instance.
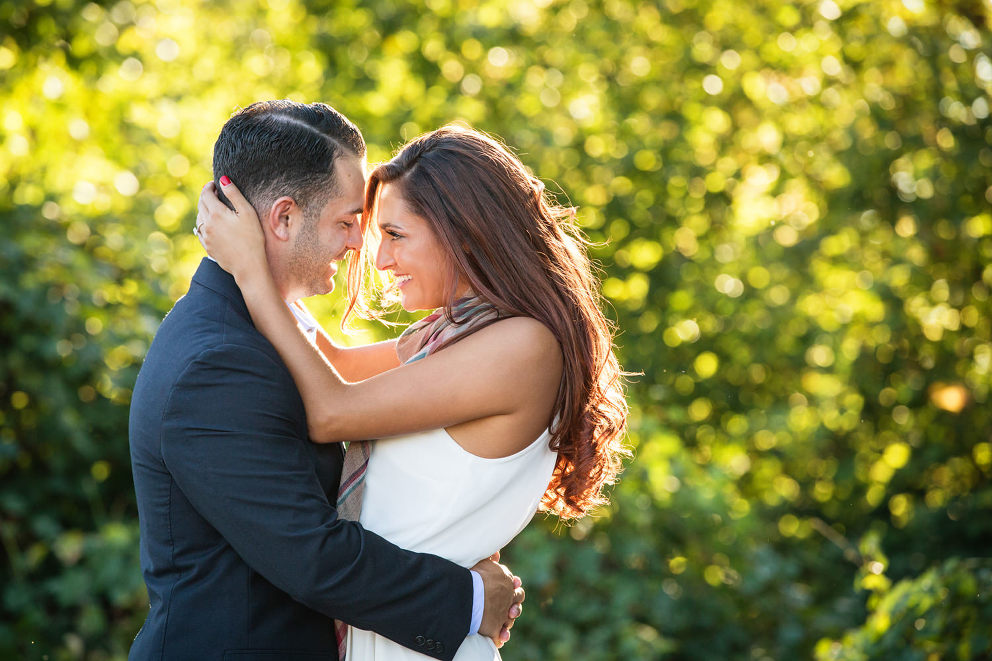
(334, 262)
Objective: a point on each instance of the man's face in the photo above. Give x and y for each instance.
(321, 242)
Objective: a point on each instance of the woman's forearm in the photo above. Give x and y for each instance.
(318, 383)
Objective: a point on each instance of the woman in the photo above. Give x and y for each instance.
(506, 398)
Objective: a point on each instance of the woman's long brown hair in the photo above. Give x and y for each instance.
(523, 254)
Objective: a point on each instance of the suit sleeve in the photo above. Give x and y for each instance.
(232, 441)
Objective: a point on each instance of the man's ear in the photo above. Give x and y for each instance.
(283, 214)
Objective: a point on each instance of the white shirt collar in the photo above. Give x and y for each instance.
(304, 319)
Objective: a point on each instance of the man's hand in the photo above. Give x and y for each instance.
(504, 596)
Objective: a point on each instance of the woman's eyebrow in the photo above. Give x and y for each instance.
(388, 225)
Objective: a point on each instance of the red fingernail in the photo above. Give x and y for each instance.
(225, 181)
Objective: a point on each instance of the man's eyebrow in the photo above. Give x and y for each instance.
(354, 211)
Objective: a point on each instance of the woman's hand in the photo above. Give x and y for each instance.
(233, 238)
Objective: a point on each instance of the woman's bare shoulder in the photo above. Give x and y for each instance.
(525, 338)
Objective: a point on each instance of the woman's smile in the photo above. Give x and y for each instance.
(409, 243)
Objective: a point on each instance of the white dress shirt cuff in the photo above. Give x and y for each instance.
(304, 320)
(478, 603)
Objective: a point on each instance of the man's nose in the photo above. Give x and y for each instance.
(355, 238)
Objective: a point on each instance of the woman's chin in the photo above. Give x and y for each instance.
(411, 304)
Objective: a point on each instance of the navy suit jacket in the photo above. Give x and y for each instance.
(241, 547)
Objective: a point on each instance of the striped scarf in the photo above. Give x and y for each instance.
(437, 330)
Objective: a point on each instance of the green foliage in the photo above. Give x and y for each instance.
(943, 614)
(791, 204)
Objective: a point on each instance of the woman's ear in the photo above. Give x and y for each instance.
(281, 216)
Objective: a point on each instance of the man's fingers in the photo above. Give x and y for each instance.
(494, 557)
(519, 595)
(515, 611)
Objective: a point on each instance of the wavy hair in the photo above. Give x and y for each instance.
(522, 253)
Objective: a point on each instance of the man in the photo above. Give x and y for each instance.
(242, 550)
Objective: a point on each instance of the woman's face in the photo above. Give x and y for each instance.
(411, 252)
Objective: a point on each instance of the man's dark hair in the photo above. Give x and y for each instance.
(276, 148)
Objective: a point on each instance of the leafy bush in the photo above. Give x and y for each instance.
(791, 205)
(944, 614)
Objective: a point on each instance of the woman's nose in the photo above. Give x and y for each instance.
(383, 260)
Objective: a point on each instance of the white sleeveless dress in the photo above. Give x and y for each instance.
(425, 493)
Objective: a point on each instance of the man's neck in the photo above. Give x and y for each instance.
(286, 295)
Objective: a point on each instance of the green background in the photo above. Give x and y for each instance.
(791, 207)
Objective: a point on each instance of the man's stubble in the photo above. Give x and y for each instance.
(309, 260)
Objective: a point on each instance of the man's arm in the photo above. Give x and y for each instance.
(361, 362)
(352, 363)
(231, 439)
